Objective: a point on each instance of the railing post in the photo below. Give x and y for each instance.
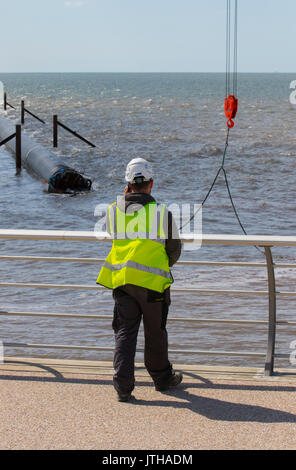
(55, 131)
(5, 102)
(269, 362)
(22, 112)
(57, 123)
(18, 148)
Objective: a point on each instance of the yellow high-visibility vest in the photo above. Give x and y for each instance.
(138, 254)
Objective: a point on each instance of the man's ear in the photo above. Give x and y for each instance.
(151, 184)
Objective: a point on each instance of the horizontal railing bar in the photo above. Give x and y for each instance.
(55, 346)
(206, 239)
(286, 294)
(175, 290)
(51, 286)
(234, 264)
(172, 319)
(34, 116)
(283, 265)
(110, 317)
(52, 259)
(88, 287)
(102, 260)
(54, 235)
(97, 348)
(55, 315)
(220, 353)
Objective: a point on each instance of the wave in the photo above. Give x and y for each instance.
(205, 151)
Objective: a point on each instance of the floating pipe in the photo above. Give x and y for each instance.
(44, 164)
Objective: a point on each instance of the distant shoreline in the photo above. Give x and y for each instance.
(144, 73)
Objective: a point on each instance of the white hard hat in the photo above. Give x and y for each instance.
(138, 168)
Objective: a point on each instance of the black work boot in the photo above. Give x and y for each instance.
(174, 380)
(124, 397)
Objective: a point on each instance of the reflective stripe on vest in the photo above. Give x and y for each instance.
(139, 267)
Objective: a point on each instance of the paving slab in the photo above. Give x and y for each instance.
(62, 404)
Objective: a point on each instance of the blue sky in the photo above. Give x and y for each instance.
(144, 35)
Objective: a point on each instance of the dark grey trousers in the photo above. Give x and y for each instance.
(132, 303)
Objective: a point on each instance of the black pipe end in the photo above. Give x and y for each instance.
(66, 179)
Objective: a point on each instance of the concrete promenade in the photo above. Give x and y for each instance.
(51, 404)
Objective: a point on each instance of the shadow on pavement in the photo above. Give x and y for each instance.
(211, 408)
(220, 410)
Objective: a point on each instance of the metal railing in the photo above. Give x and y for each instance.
(5, 102)
(24, 110)
(266, 242)
(56, 123)
(17, 135)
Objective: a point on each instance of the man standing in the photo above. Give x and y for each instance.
(145, 245)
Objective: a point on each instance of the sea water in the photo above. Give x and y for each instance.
(177, 122)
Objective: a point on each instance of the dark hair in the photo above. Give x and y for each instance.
(139, 187)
